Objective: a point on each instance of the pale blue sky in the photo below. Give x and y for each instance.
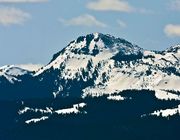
(31, 31)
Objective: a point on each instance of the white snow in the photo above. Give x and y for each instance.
(73, 110)
(23, 110)
(81, 105)
(167, 112)
(164, 95)
(30, 67)
(11, 72)
(49, 111)
(28, 109)
(115, 97)
(35, 120)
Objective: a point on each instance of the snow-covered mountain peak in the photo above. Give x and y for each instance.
(11, 72)
(97, 42)
(98, 64)
(94, 47)
(103, 64)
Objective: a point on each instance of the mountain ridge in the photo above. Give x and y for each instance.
(98, 64)
(110, 79)
(120, 52)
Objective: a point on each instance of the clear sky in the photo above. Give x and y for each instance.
(31, 31)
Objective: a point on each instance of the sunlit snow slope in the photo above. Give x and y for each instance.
(103, 64)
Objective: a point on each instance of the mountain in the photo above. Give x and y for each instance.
(99, 64)
(98, 83)
(30, 67)
(11, 73)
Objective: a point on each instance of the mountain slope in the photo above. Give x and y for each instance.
(99, 64)
(96, 65)
(99, 84)
(10, 73)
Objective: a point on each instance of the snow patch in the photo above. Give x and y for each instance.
(35, 120)
(74, 110)
(27, 109)
(115, 97)
(164, 95)
(167, 112)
